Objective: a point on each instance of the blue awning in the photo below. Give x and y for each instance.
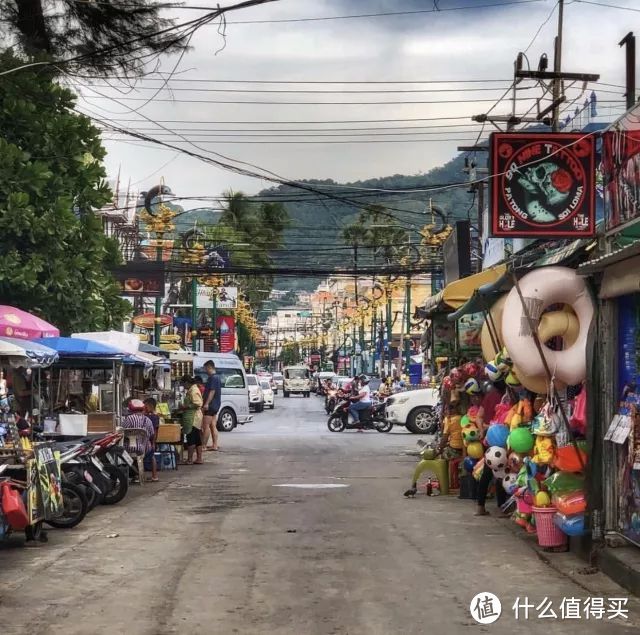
(34, 353)
(79, 348)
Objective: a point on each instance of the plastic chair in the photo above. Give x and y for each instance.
(134, 438)
(438, 467)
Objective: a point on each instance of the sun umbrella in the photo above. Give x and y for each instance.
(24, 353)
(23, 325)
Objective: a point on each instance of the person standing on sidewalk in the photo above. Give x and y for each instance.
(212, 400)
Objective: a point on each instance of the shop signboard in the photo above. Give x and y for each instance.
(469, 330)
(142, 279)
(456, 252)
(444, 336)
(226, 297)
(227, 333)
(621, 174)
(542, 185)
(45, 490)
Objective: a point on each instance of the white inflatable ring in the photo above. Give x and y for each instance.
(540, 289)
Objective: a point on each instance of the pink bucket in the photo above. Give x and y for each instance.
(548, 534)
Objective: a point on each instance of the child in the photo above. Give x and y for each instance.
(451, 444)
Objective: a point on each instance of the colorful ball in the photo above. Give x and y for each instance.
(510, 483)
(493, 372)
(512, 379)
(447, 383)
(497, 435)
(468, 464)
(521, 440)
(465, 421)
(496, 458)
(470, 434)
(475, 450)
(471, 369)
(456, 376)
(472, 387)
(500, 473)
(542, 499)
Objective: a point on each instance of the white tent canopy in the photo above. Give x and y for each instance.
(126, 342)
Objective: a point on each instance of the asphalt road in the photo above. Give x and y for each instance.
(234, 546)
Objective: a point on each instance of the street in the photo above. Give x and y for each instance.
(234, 547)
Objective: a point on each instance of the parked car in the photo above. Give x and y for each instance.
(234, 408)
(278, 379)
(297, 379)
(415, 409)
(256, 396)
(267, 392)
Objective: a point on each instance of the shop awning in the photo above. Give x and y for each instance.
(562, 254)
(26, 353)
(619, 255)
(79, 348)
(483, 298)
(146, 359)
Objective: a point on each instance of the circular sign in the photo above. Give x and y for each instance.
(148, 320)
(543, 184)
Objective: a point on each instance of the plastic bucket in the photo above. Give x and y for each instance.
(522, 506)
(548, 534)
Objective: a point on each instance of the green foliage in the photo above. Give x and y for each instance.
(55, 258)
(106, 37)
(290, 354)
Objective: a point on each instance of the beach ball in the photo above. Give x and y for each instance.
(512, 379)
(465, 421)
(469, 463)
(471, 369)
(521, 440)
(475, 450)
(497, 435)
(496, 458)
(471, 434)
(472, 387)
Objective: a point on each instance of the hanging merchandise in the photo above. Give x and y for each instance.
(521, 440)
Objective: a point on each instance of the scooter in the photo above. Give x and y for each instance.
(330, 399)
(372, 418)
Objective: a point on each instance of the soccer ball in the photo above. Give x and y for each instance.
(510, 482)
(496, 458)
(470, 434)
(471, 387)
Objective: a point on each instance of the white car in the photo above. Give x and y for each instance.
(278, 380)
(415, 409)
(256, 396)
(267, 392)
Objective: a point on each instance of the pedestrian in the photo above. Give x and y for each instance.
(138, 420)
(212, 401)
(192, 420)
(199, 384)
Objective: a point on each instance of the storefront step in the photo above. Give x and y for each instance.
(622, 564)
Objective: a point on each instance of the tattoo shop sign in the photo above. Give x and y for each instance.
(542, 185)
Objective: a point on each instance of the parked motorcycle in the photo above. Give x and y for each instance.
(372, 418)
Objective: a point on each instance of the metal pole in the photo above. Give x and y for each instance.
(194, 313)
(557, 68)
(389, 330)
(374, 316)
(216, 341)
(156, 323)
(629, 42)
(407, 355)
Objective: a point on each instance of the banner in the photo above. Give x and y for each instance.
(542, 185)
(141, 279)
(226, 326)
(444, 336)
(469, 330)
(227, 297)
(621, 176)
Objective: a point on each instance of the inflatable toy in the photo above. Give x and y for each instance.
(496, 458)
(470, 434)
(469, 464)
(521, 440)
(471, 387)
(497, 434)
(475, 450)
(510, 483)
(512, 379)
(500, 473)
(457, 376)
(545, 287)
(515, 461)
(492, 371)
(447, 383)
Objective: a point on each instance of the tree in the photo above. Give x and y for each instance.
(104, 37)
(55, 256)
(290, 354)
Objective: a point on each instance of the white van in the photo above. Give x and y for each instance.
(297, 379)
(234, 408)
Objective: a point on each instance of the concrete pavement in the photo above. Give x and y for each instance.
(233, 547)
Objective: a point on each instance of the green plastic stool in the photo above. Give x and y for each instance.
(439, 467)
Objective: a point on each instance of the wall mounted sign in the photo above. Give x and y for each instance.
(141, 279)
(542, 185)
(456, 251)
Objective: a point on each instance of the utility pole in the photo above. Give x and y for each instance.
(557, 69)
(407, 357)
(629, 42)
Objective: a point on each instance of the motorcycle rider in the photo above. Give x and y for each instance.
(362, 400)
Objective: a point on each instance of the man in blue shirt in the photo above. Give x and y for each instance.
(212, 399)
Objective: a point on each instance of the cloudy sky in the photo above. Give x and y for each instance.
(454, 48)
